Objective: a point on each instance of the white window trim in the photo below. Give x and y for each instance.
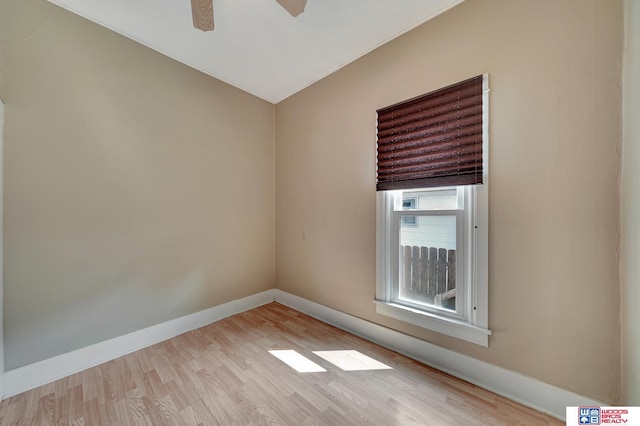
(476, 328)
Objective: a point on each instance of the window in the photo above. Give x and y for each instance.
(408, 204)
(432, 211)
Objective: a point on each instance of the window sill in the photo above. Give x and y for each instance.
(454, 328)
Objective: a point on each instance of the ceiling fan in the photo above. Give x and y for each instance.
(202, 11)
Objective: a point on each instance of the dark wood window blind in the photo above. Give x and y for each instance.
(433, 139)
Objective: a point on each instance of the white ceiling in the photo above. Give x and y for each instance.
(256, 45)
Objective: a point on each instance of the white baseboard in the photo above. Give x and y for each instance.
(525, 390)
(37, 374)
(515, 386)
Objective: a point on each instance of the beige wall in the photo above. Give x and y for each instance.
(555, 75)
(630, 269)
(137, 190)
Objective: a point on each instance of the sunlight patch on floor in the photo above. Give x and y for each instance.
(350, 360)
(296, 361)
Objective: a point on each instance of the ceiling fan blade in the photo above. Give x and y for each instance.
(202, 12)
(294, 7)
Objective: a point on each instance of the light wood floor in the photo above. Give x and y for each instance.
(223, 374)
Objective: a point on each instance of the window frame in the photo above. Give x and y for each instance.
(474, 325)
(393, 289)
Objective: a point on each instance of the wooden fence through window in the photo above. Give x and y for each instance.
(428, 275)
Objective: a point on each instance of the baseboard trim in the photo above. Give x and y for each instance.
(515, 386)
(40, 373)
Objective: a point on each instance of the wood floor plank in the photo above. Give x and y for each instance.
(223, 374)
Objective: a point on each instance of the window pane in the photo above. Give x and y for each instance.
(428, 260)
(408, 203)
(438, 199)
